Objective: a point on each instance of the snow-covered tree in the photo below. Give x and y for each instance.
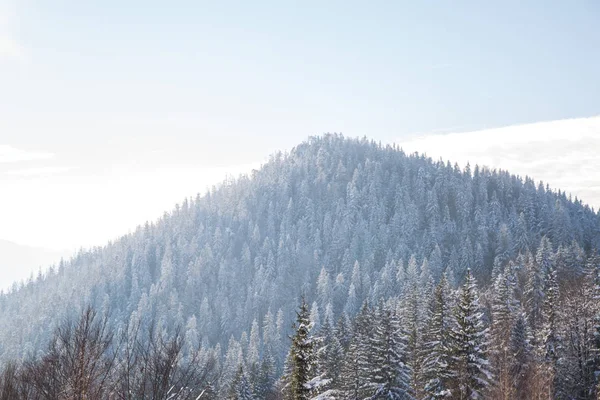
(390, 374)
(470, 365)
(301, 379)
(355, 380)
(437, 349)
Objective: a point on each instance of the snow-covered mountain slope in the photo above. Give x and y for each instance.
(335, 219)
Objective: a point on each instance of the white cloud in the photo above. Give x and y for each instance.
(563, 153)
(37, 171)
(9, 154)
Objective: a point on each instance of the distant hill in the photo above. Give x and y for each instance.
(336, 219)
(18, 262)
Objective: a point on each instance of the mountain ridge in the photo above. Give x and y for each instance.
(335, 219)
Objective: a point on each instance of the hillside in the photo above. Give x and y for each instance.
(335, 219)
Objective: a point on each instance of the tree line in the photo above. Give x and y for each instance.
(528, 335)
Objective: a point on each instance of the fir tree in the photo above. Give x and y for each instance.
(503, 313)
(355, 382)
(301, 365)
(390, 375)
(521, 356)
(413, 315)
(437, 349)
(469, 348)
(263, 386)
(240, 387)
(534, 293)
(331, 356)
(549, 337)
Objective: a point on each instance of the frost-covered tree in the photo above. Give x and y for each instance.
(301, 379)
(470, 365)
(412, 310)
(240, 388)
(549, 341)
(520, 351)
(503, 314)
(390, 374)
(355, 380)
(437, 349)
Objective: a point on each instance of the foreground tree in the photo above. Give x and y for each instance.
(503, 313)
(390, 372)
(301, 379)
(549, 341)
(470, 362)
(356, 373)
(438, 346)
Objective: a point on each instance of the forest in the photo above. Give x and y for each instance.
(343, 269)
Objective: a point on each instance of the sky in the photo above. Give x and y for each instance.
(111, 112)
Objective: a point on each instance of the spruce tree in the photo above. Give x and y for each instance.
(301, 362)
(437, 349)
(240, 387)
(521, 355)
(504, 306)
(390, 374)
(469, 348)
(534, 294)
(549, 341)
(263, 386)
(330, 356)
(355, 378)
(593, 267)
(413, 316)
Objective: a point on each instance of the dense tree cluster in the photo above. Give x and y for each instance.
(385, 247)
(470, 344)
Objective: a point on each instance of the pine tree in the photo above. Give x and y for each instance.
(549, 340)
(503, 251)
(413, 315)
(534, 294)
(545, 256)
(343, 331)
(576, 311)
(521, 244)
(331, 356)
(240, 387)
(504, 306)
(355, 377)
(437, 349)
(469, 348)
(521, 354)
(263, 386)
(390, 375)
(301, 366)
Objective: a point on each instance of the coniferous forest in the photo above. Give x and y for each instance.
(343, 269)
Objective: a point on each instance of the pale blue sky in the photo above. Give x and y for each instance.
(118, 96)
(257, 71)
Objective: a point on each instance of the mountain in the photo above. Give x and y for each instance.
(18, 262)
(337, 220)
